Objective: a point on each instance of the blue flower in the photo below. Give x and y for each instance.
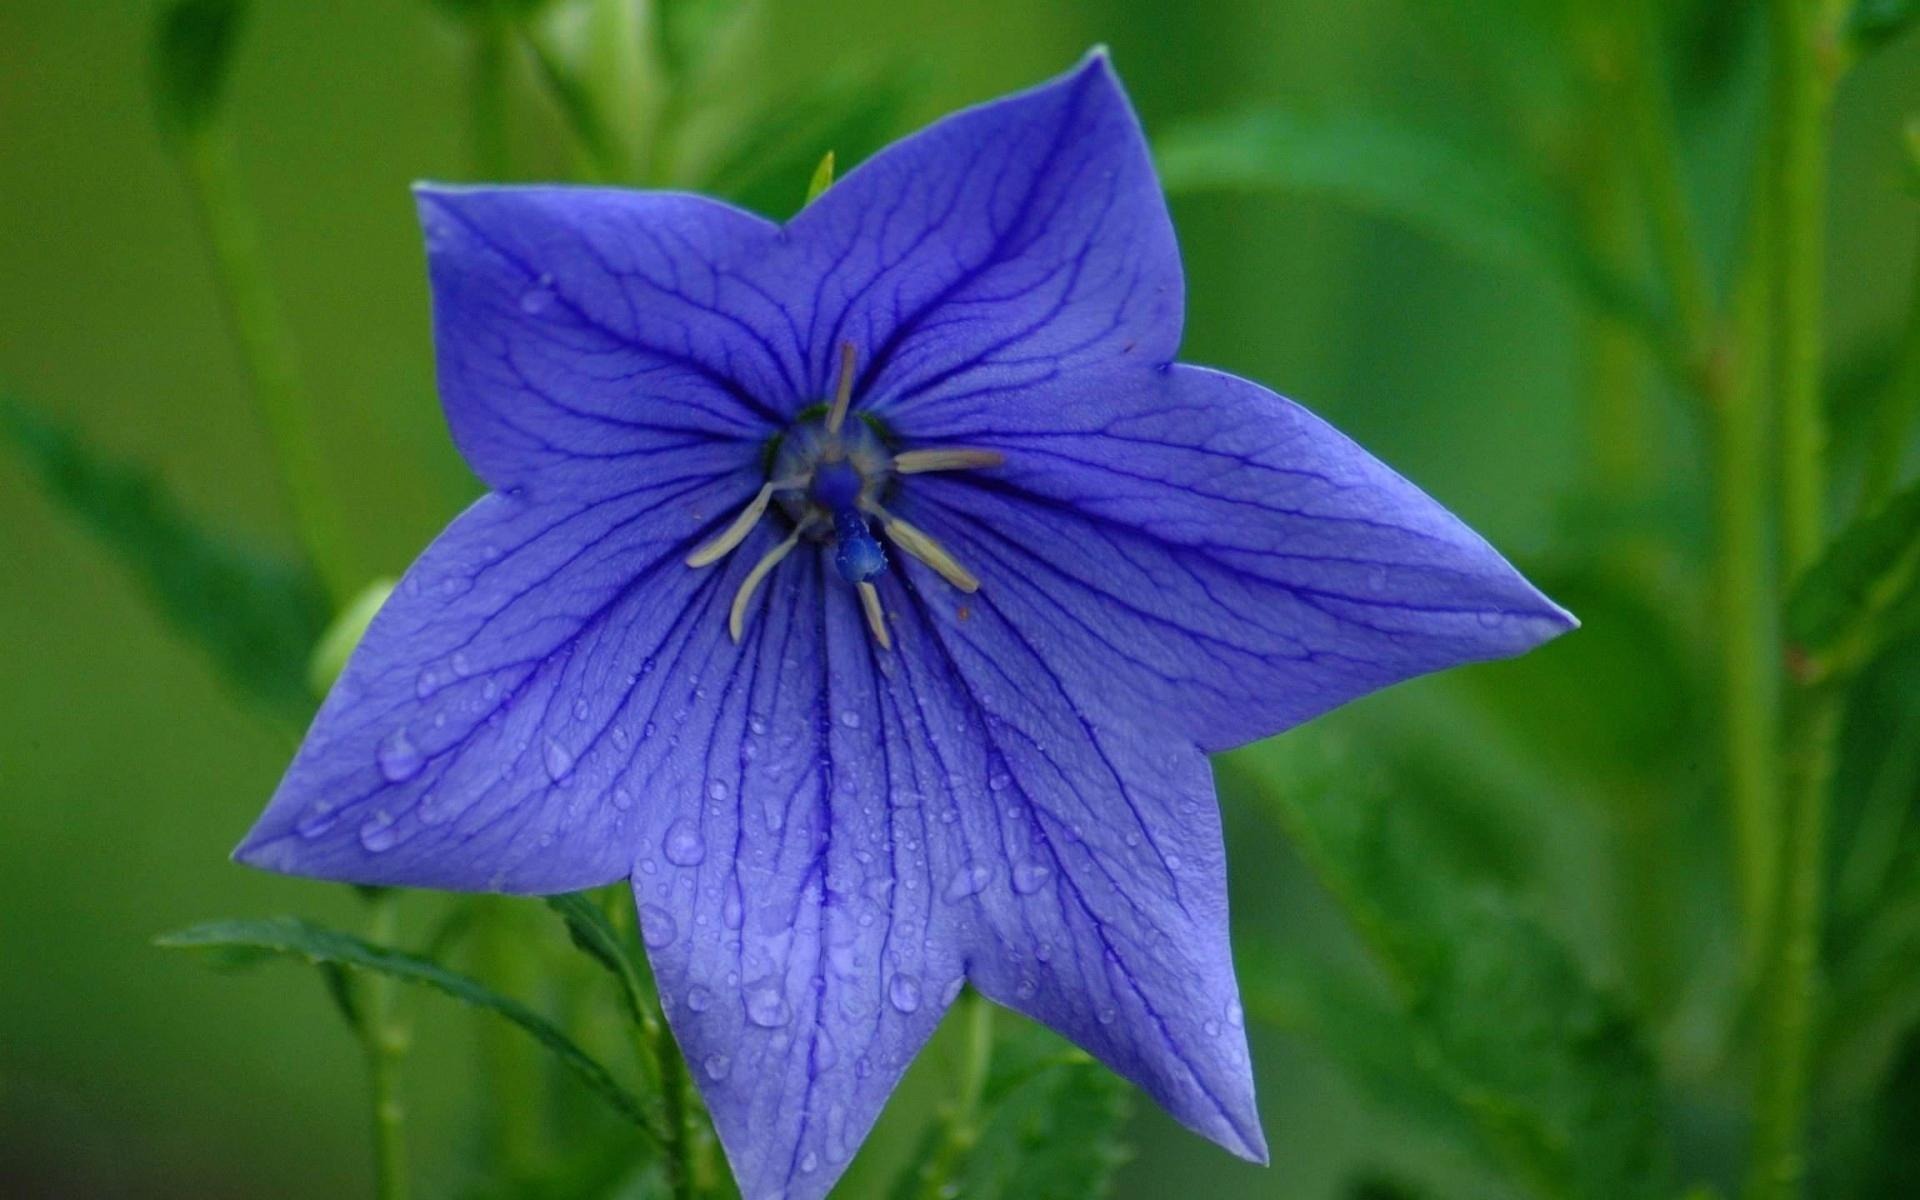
(869, 590)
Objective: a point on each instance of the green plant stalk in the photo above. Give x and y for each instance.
(1796, 195)
(266, 351)
(962, 1122)
(384, 1039)
(1655, 142)
(487, 98)
(686, 1172)
(1898, 408)
(515, 1074)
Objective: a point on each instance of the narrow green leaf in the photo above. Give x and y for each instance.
(1472, 198)
(594, 934)
(237, 943)
(1555, 1075)
(822, 178)
(193, 49)
(256, 616)
(1051, 1124)
(1865, 570)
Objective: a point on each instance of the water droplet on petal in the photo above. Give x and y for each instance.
(999, 781)
(809, 1163)
(320, 818)
(1211, 1027)
(766, 1007)
(716, 1066)
(683, 846)
(1236, 1016)
(850, 718)
(717, 790)
(622, 799)
(657, 927)
(378, 834)
(903, 991)
(699, 999)
(558, 760)
(399, 758)
(969, 881)
(733, 912)
(538, 298)
(1029, 877)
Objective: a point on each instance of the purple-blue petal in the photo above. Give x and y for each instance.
(1196, 552)
(579, 330)
(1012, 243)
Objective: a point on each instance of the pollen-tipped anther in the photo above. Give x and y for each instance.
(957, 458)
(922, 545)
(737, 615)
(843, 393)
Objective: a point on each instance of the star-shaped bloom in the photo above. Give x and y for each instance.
(870, 590)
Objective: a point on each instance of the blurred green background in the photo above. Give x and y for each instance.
(1581, 786)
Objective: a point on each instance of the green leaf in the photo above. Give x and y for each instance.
(852, 114)
(1472, 198)
(1555, 1076)
(592, 931)
(1862, 575)
(245, 943)
(256, 616)
(822, 178)
(193, 49)
(1874, 23)
(1050, 1128)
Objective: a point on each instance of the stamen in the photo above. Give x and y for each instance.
(959, 458)
(736, 617)
(742, 525)
(917, 542)
(843, 395)
(876, 620)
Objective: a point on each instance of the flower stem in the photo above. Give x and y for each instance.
(1797, 182)
(962, 1121)
(266, 350)
(384, 1039)
(487, 98)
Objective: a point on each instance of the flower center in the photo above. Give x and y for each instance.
(830, 476)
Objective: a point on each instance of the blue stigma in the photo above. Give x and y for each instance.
(856, 555)
(836, 486)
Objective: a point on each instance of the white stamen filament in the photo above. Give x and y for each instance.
(917, 542)
(737, 616)
(876, 619)
(843, 394)
(959, 458)
(731, 537)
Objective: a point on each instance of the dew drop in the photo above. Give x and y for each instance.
(683, 846)
(657, 926)
(1211, 1027)
(903, 992)
(378, 833)
(1236, 1016)
(538, 298)
(699, 999)
(622, 799)
(809, 1163)
(717, 790)
(733, 911)
(969, 881)
(581, 709)
(558, 760)
(766, 1007)
(716, 1066)
(398, 757)
(1029, 877)
(320, 818)
(850, 718)
(999, 781)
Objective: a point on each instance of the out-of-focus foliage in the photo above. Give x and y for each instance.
(1493, 1027)
(193, 57)
(256, 615)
